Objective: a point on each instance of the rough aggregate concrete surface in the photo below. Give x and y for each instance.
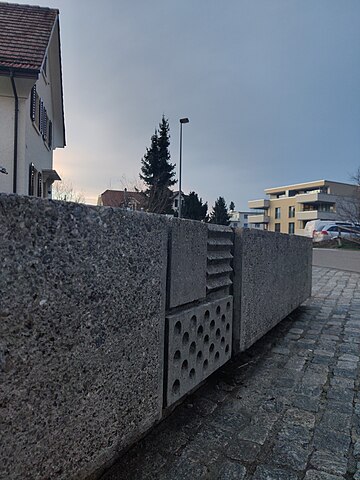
(272, 277)
(187, 268)
(81, 328)
(286, 409)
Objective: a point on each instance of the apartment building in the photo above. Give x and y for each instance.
(241, 220)
(287, 209)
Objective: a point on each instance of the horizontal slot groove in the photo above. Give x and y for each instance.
(214, 283)
(220, 241)
(218, 269)
(216, 255)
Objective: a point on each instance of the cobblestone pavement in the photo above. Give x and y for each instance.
(289, 408)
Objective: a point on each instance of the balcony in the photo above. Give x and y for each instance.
(260, 218)
(262, 204)
(315, 198)
(316, 215)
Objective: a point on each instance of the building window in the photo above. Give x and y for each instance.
(246, 225)
(32, 179)
(176, 203)
(277, 213)
(245, 217)
(291, 228)
(257, 225)
(291, 212)
(39, 117)
(39, 192)
(277, 227)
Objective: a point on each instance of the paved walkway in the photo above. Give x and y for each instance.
(289, 408)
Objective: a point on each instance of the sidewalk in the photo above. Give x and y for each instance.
(287, 409)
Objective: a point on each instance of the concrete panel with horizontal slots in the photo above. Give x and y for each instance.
(198, 343)
(272, 277)
(187, 262)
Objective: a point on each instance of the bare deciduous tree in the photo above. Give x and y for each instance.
(349, 208)
(64, 190)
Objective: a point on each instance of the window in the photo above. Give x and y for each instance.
(245, 217)
(32, 179)
(291, 212)
(277, 227)
(257, 225)
(246, 225)
(277, 213)
(39, 117)
(291, 228)
(176, 203)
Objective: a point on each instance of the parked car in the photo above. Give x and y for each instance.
(333, 231)
(317, 225)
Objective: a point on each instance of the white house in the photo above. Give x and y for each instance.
(31, 98)
(241, 220)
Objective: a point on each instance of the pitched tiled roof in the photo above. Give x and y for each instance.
(24, 35)
(119, 198)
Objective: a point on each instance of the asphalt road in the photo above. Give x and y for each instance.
(339, 259)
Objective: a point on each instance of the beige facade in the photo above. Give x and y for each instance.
(289, 208)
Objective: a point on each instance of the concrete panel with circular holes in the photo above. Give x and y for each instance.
(198, 343)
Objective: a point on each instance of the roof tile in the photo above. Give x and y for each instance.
(24, 35)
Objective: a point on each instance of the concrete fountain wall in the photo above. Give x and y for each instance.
(108, 317)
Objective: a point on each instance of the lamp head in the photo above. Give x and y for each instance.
(184, 120)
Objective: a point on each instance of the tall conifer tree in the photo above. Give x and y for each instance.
(219, 213)
(157, 172)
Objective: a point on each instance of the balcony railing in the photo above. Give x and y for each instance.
(262, 204)
(260, 218)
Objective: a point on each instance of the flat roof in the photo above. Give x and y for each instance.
(299, 186)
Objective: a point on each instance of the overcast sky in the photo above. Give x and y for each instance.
(271, 88)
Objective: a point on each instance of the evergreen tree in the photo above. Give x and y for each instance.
(232, 206)
(157, 172)
(219, 214)
(193, 208)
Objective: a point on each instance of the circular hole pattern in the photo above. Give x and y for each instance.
(228, 306)
(227, 327)
(192, 348)
(176, 387)
(185, 339)
(227, 348)
(211, 349)
(177, 328)
(205, 364)
(200, 330)
(218, 310)
(177, 355)
(206, 339)
(199, 356)
(192, 373)
(193, 321)
(222, 340)
(223, 318)
(212, 324)
(207, 315)
(218, 333)
(185, 366)
(217, 355)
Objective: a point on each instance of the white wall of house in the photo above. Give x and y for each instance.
(6, 141)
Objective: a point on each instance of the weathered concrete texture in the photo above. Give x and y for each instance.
(81, 315)
(266, 415)
(199, 342)
(272, 277)
(187, 265)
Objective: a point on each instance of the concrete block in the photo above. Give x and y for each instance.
(187, 262)
(198, 343)
(82, 330)
(272, 277)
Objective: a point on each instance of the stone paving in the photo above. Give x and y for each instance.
(287, 409)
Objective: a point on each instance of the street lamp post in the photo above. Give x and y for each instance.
(182, 120)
